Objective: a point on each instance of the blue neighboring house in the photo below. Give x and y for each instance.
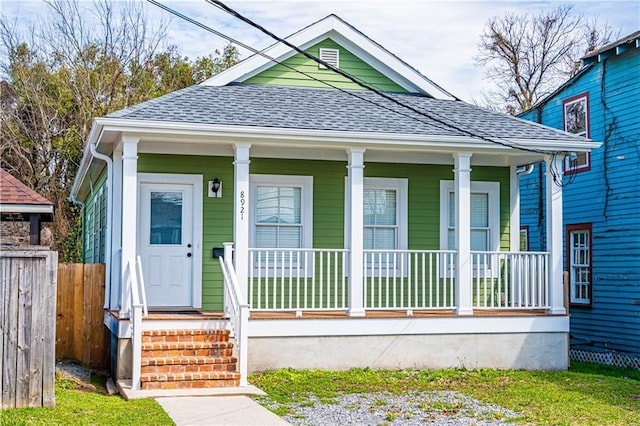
(601, 200)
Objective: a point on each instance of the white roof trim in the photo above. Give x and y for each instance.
(26, 208)
(283, 135)
(348, 37)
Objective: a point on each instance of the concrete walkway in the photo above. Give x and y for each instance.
(218, 410)
(208, 406)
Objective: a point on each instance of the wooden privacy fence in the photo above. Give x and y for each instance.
(80, 330)
(27, 332)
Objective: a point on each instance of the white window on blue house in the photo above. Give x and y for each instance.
(579, 259)
(576, 121)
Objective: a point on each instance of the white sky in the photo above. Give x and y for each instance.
(439, 38)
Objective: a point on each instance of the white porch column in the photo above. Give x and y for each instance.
(116, 231)
(514, 203)
(554, 235)
(355, 219)
(129, 216)
(241, 214)
(462, 184)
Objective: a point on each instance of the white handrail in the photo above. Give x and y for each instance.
(236, 308)
(133, 275)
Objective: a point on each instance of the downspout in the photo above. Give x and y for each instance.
(107, 259)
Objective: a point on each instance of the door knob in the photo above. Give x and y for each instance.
(188, 254)
(188, 245)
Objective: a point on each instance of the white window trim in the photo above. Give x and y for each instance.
(401, 186)
(567, 163)
(575, 299)
(490, 188)
(305, 183)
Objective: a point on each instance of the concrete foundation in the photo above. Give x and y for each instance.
(528, 351)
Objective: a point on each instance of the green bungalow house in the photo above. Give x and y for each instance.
(280, 215)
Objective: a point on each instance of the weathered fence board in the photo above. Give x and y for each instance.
(27, 335)
(80, 332)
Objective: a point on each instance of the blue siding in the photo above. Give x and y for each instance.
(607, 196)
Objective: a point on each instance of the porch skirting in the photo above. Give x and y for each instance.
(529, 343)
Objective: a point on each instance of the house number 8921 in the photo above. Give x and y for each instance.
(243, 201)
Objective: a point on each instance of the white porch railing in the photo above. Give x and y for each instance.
(297, 279)
(409, 279)
(316, 279)
(510, 280)
(236, 309)
(133, 275)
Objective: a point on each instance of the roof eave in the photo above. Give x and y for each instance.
(87, 157)
(27, 208)
(266, 135)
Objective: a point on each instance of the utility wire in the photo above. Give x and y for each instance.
(557, 175)
(270, 58)
(264, 55)
(220, 5)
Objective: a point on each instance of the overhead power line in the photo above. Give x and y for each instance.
(220, 5)
(557, 175)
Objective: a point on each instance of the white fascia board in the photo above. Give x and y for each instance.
(279, 51)
(408, 326)
(558, 145)
(26, 208)
(87, 157)
(203, 133)
(354, 41)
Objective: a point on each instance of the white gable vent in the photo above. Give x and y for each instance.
(330, 56)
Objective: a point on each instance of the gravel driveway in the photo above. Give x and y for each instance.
(436, 408)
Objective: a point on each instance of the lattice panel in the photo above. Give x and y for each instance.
(608, 358)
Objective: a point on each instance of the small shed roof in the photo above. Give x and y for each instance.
(17, 198)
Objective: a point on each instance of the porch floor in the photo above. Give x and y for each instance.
(199, 315)
(341, 314)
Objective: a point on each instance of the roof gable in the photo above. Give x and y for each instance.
(348, 62)
(348, 37)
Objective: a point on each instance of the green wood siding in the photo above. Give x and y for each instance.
(350, 63)
(217, 214)
(94, 221)
(328, 201)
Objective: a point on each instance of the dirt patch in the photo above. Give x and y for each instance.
(76, 376)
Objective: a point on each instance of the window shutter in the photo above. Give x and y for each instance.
(330, 56)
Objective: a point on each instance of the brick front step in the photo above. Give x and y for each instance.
(179, 349)
(187, 359)
(188, 365)
(162, 336)
(189, 380)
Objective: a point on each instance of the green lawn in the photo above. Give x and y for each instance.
(587, 394)
(88, 405)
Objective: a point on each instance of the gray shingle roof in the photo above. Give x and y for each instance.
(330, 109)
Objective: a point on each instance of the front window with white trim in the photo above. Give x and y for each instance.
(385, 219)
(281, 211)
(485, 216)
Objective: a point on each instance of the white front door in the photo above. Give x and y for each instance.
(167, 243)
